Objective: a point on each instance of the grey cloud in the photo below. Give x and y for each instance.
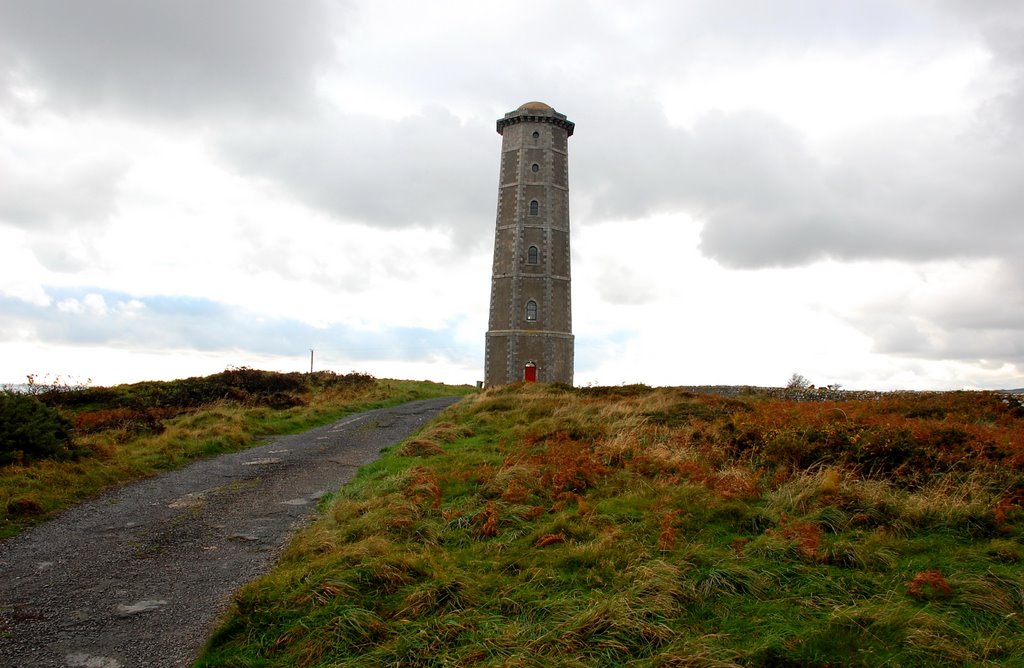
(897, 334)
(998, 21)
(904, 192)
(761, 27)
(978, 322)
(288, 256)
(429, 169)
(629, 162)
(996, 305)
(61, 195)
(876, 206)
(1000, 24)
(166, 57)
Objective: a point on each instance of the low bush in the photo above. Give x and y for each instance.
(242, 385)
(129, 421)
(29, 430)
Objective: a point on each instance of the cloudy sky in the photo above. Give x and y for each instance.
(830, 188)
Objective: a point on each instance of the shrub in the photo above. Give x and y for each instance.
(130, 420)
(240, 385)
(31, 430)
(354, 380)
(24, 506)
(798, 382)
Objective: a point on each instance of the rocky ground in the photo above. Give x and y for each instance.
(138, 576)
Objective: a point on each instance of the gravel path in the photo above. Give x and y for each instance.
(138, 576)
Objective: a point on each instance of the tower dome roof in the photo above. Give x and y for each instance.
(535, 112)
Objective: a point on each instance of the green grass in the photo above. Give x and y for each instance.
(545, 526)
(130, 432)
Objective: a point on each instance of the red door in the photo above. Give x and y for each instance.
(530, 373)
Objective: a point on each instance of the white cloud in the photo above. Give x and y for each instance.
(826, 93)
(829, 188)
(71, 305)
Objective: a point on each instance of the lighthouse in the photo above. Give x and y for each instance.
(529, 331)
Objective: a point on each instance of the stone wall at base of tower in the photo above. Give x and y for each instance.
(507, 355)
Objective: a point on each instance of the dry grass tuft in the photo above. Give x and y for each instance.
(420, 447)
(669, 533)
(487, 519)
(448, 432)
(551, 539)
(929, 585)
(423, 488)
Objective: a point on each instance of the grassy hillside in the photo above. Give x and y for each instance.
(131, 431)
(547, 526)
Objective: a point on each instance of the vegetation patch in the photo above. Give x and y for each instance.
(550, 526)
(31, 430)
(60, 444)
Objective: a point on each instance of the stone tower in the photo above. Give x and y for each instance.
(530, 321)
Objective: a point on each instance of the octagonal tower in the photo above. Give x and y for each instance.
(530, 326)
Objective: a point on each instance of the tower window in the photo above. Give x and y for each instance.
(534, 207)
(536, 135)
(532, 255)
(535, 168)
(531, 311)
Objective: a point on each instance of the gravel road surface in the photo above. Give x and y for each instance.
(138, 576)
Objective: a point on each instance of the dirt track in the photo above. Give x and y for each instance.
(138, 576)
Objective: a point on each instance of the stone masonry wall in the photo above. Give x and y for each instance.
(532, 212)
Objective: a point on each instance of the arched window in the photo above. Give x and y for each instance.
(531, 311)
(534, 207)
(536, 135)
(534, 168)
(532, 255)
